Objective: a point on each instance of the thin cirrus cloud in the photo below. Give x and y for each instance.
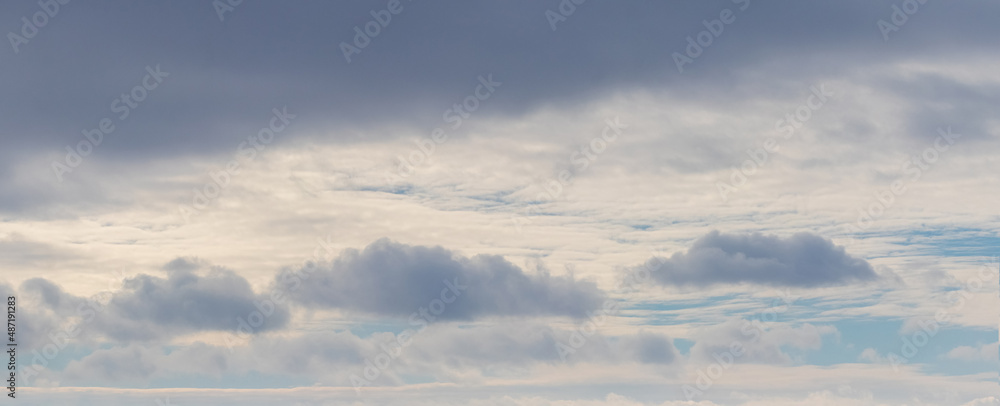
(392, 279)
(803, 260)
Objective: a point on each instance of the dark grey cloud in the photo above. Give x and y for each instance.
(384, 279)
(226, 76)
(392, 279)
(49, 293)
(148, 307)
(31, 322)
(193, 297)
(802, 260)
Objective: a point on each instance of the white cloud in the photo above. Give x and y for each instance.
(985, 352)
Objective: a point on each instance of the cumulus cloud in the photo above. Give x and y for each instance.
(393, 279)
(32, 321)
(49, 293)
(149, 307)
(193, 297)
(871, 355)
(385, 279)
(802, 260)
(986, 352)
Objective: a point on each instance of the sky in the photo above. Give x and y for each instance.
(552, 202)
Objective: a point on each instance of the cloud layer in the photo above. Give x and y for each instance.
(355, 165)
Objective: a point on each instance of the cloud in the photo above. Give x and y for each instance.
(446, 352)
(802, 260)
(193, 297)
(871, 355)
(49, 293)
(18, 251)
(524, 344)
(310, 356)
(385, 279)
(650, 348)
(393, 279)
(355, 119)
(986, 352)
(124, 365)
(213, 99)
(32, 322)
(987, 401)
(149, 307)
(765, 346)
